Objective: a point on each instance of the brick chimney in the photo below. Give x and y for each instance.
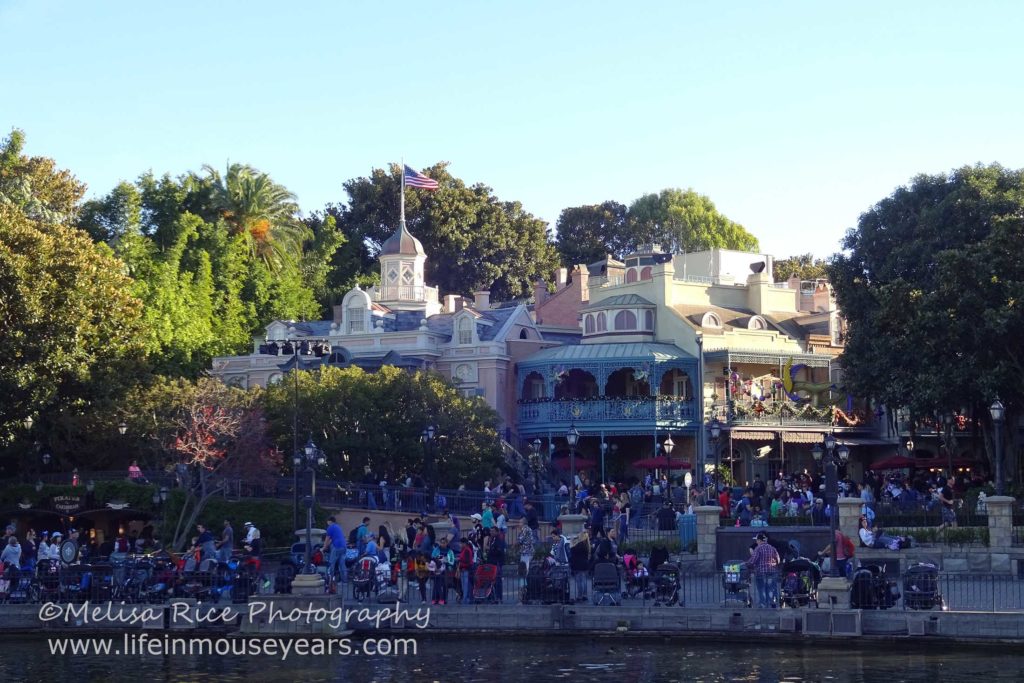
(451, 303)
(482, 300)
(562, 277)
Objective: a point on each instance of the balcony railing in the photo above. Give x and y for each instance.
(408, 293)
(644, 408)
(773, 412)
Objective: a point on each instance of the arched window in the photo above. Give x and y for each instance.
(757, 323)
(711, 320)
(631, 275)
(625, 320)
(523, 334)
(465, 330)
(602, 322)
(533, 387)
(588, 324)
(648, 320)
(645, 274)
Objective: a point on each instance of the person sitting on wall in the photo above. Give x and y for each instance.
(873, 537)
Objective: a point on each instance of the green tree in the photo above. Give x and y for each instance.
(262, 211)
(931, 283)
(376, 419)
(35, 186)
(685, 220)
(588, 233)
(804, 266)
(71, 327)
(473, 239)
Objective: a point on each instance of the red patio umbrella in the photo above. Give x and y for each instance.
(661, 462)
(895, 462)
(562, 463)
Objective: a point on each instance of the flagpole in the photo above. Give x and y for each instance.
(401, 218)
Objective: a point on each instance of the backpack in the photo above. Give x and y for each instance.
(848, 548)
(561, 553)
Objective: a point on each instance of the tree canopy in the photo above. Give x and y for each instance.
(473, 239)
(673, 219)
(376, 419)
(932, 285)
(71, 329)
(804, 266)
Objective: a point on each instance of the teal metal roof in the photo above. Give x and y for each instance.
(644, 351)
(620, 300)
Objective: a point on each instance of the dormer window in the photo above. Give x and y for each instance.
(588, 325)
(711, 321)
(356, 316)
(602, 322)
(757, 323)
(465, 330)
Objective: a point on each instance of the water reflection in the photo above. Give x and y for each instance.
(593, 660)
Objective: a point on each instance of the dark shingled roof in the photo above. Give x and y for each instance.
(620, 300)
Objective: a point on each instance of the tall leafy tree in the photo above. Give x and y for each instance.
(35, 186)
(72, 330)
(588, 233)
(262, 211)
(685, 220)
(473, 239)
(804, 266)
(931, 283)
(376, 419)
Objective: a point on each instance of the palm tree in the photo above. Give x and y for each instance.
(253, 205)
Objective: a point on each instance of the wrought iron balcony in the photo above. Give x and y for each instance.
(668, 409)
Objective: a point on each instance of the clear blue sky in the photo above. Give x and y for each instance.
(793, 117)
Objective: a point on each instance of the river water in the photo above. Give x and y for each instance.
(589, 660)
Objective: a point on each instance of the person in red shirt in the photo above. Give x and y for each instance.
(724, 502)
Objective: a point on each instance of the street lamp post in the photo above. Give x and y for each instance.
(716, 433)
(947, 421)
(572, 437)
(604, 449)
(833, 458)
(428, 463)
(998, 413)
(309, 458)
(668, 446)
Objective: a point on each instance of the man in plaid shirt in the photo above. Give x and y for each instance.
(765, 560)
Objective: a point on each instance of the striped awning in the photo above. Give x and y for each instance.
(803, 437)
(754, 436)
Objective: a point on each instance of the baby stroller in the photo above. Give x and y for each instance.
(74, 583)
(666, 585)
(607, 586)
(364, 581)
(283, 578)
(556, 584)
(102, 583)
(387, 583)
(484, 579)
(871, 589)
(533, 590)
(800, 579)
(638, 582)
(736, 583)
(48, 572)
(921, 587)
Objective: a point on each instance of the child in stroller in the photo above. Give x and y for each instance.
(800, 579)
(637, 577)
(921, 587)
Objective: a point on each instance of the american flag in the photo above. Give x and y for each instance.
(414, 179)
